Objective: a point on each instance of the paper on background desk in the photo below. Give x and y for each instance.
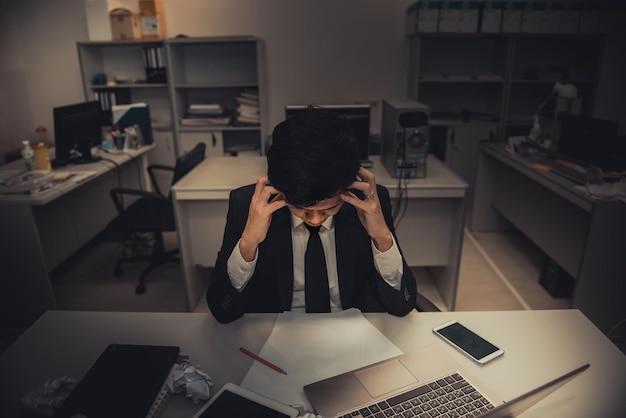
(312, 347)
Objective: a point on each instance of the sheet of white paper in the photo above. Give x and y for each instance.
(314, 347)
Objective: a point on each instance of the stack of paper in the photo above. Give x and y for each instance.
(206, 114)
(309, 348)
(248, 108)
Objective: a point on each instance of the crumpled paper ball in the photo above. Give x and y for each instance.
(192, 380)
(51, 395)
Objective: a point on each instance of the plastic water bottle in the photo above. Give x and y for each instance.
(28, 155)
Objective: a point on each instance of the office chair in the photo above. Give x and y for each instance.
(423, 304)
(151, 212)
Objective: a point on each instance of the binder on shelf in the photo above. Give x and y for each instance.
(109, 98)
(125, 116)
(154, 64)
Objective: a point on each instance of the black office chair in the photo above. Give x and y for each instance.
(423, 304)
(151, 212)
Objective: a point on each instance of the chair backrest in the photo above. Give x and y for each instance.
(187, 162)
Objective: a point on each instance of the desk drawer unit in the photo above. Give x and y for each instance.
(553, 223)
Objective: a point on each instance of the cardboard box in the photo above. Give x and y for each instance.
(150, 7)
(449, 16)
(491, 17)
(532, 17)
(423, 16)
(570, 15)
(549, 22)
(152, 19)
(125, 25)
(468, 17)
(428, 17)
(512, 17)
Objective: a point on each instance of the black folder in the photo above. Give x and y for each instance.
(123, 382)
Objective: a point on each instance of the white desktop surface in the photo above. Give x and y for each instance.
(539, 346)
(98, 168)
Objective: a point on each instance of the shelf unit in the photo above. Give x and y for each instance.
(483, 86)
(216, 70)
(198, 71)
(499, 78)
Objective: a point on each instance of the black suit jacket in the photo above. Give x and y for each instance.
(270, 289)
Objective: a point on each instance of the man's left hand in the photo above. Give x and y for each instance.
(369, 210)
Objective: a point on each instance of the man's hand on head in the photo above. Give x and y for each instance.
(369, 210)
(265, 201)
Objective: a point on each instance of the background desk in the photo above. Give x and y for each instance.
(430, 233)
(586, 237)
(40, 232)
(539, 346)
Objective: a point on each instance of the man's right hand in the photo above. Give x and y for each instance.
(265, 201)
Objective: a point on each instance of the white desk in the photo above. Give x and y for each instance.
(430, 233)
(39, 232)
(585, 237)
(539, 346)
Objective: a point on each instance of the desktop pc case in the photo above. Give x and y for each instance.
(404, 140)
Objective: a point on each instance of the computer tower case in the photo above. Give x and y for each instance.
(404, 139)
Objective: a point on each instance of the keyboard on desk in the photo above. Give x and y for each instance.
(449, 397)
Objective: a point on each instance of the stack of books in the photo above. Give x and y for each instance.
(248, 108)
(206, 114)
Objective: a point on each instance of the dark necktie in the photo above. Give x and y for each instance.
(316, 294)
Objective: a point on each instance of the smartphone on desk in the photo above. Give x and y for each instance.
(468, 342)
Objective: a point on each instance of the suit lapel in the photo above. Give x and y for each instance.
(279, 237)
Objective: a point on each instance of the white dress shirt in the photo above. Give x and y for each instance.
(388, 264)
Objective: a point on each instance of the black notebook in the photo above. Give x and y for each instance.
(123, 382)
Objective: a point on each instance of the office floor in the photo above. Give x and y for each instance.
(499, 271)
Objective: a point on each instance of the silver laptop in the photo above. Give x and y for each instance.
(424, 383)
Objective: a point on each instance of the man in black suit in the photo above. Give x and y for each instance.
(315, 203)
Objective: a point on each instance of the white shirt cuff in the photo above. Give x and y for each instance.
(240, 270)
(389, 264)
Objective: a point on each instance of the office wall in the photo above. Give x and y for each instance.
(38, 64)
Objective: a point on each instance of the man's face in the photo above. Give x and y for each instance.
(316, 215)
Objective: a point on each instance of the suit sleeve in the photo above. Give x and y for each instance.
(224, 301)
(396, 302)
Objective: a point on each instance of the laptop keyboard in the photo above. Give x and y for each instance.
(449, 397)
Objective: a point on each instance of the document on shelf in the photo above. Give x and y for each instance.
(313, 347)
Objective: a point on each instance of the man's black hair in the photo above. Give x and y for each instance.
(314, 156)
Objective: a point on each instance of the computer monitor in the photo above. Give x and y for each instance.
(77, 128)
(358, 117)
(588, 141)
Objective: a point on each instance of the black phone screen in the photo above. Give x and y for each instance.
(468, 341)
